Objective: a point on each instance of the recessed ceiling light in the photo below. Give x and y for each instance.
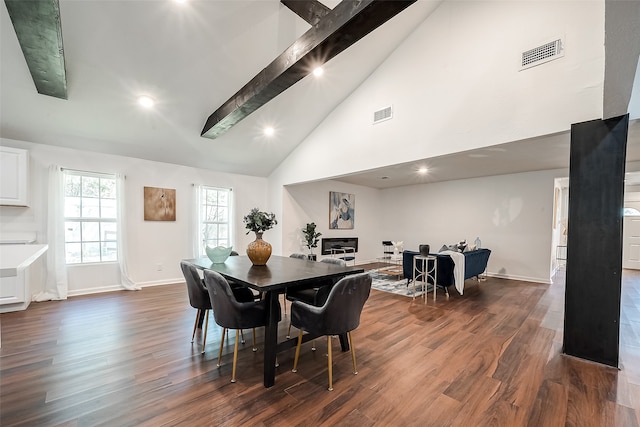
(269, 131)
(146, 101)
(318, 71)
(423, 170)
(181, 1)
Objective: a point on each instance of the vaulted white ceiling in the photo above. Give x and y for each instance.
(190, 58)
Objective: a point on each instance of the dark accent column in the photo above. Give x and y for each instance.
(594, 247)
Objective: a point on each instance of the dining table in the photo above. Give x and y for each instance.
(279, 274)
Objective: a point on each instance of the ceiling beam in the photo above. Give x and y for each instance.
(37, 25)
(311, 11)
(347, 23)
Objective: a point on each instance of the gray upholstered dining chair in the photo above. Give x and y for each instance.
(233, 314)
(295, 255)
(199, 299)
(340, 314)
(315, 295)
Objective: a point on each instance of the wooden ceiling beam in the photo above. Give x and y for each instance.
(343, 26)
(311, 11)
(39, 31)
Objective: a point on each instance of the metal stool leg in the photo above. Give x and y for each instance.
(206, 325)
(235, 359)
(330, 363)
(195, 325)
(353, 353)
(295, 359)
(224, 332)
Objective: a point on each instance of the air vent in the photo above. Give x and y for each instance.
(541, 54)
(382, 115)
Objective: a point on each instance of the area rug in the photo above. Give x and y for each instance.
(392, 285)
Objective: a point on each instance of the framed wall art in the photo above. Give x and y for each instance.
(341, 210)
(159, 204)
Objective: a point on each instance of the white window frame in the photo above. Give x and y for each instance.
(104, 243)
(203, 222)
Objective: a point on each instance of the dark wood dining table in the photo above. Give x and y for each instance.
(273, 279)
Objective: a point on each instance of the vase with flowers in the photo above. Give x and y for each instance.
(258, 221)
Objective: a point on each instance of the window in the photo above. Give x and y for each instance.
(90, 215)
(215, 217)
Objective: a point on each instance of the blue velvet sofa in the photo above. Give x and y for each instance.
(475, 263)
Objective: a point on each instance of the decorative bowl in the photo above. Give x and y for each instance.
(219, 254)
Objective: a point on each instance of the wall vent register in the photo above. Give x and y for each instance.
(541, 54)
(382, 115)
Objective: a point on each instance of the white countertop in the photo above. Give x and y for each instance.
(14, 258)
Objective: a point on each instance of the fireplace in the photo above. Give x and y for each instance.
(338, 242)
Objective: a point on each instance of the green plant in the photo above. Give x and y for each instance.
(258, 221)
(310, 235)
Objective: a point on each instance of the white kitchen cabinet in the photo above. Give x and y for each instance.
(14, 176)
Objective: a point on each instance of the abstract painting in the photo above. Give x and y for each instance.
(159, 204)
(341, 210)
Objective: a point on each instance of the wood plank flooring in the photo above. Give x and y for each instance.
(488, 358)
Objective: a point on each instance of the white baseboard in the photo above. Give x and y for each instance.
(113, 288)
(160, 282)
(89, 291)
(522, 278)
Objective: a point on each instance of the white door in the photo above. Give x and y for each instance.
(631, 242)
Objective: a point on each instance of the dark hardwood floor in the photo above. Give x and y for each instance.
(489, 358)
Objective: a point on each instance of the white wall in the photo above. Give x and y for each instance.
(150, 242)
(310, 203)
(512, 215)
(455, 85)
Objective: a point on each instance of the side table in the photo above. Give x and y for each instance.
(425, 267)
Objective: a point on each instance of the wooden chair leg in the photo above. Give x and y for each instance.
(295, 359)
(288, 330)
(224, 332)
(330, 363)
(353, 353)
(235, 359)
(195, 325)
(206, 325)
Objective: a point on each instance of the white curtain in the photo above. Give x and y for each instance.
(56, 287)
(195, 222)
(125, 280)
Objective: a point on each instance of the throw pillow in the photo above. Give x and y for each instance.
(444, 248)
